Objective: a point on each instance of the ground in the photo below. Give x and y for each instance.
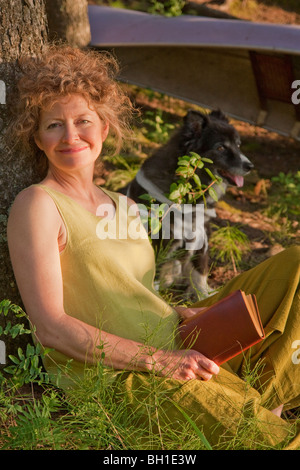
(270, 11)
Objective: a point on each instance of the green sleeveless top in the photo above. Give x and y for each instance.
(108, 269)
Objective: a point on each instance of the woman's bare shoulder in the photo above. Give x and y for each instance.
(31, 203)
(32, 196)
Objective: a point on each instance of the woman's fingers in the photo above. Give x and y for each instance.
(196, 366)
(204, 368)
(202, 373)
(184, 365)
(209, 366)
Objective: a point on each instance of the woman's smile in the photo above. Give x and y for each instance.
(73, 149)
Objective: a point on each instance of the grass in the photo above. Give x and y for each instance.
(94, 417)
(37, 415)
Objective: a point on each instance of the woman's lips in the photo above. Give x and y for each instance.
(73, 149)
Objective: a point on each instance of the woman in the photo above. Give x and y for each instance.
(88, 294)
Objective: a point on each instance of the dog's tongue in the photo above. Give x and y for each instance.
(239, 180)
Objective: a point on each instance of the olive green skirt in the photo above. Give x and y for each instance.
(240, 398)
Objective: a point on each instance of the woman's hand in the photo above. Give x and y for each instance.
(183, 364)
(187, 312)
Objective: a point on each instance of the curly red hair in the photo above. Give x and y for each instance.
(62, 71)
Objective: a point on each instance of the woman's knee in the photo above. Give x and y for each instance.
(292, 254)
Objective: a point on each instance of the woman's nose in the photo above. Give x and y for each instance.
(70, 133)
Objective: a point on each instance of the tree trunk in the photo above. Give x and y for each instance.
(23, 32)
(68, 21)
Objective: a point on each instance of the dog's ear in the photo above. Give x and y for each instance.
(195, 121)
(218, 114)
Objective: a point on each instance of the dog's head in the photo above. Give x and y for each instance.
(212, 136)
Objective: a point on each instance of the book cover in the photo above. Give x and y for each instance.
(225, 329)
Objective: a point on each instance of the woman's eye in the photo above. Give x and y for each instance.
(53, 125)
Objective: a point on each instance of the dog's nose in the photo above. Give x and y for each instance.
(248, 165)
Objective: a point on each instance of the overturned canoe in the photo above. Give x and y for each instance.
(249, 70)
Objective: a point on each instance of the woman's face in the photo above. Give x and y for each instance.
(71, 134)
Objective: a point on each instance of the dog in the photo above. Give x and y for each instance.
(210, 135)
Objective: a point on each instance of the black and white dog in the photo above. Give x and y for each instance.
(208, 135)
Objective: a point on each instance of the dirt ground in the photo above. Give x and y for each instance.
(265, 11)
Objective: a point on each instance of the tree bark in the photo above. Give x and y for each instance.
(68, 21)
(23, 32)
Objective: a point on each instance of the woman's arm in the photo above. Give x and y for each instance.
(34, 228)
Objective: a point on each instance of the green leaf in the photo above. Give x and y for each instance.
(182, 170)
(207, 160)
(174, 195)
(26, 363)
(21, 354)
(14, 359)
(197, 180)
(10, 369)
(30, 350)
(195, 155)
(213, 177)
(155, 226)
(213, 194)
(35, 362)
(182, 189)
(184, 161)
(162, 209)
(173, 187)
(146, 197)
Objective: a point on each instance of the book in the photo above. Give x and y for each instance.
(225, 329)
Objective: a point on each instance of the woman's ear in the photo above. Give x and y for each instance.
(105, 131)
